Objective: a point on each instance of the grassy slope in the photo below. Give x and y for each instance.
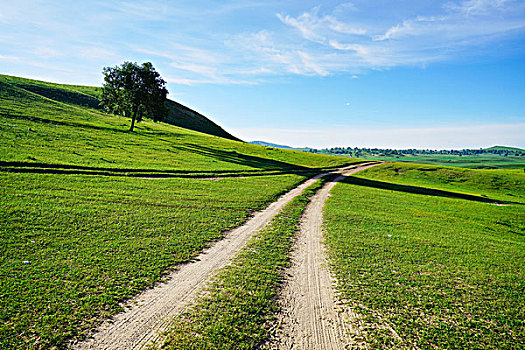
(37, 129)
(506, 148)
(443, 272)
(87, 96)
(504, 185)
(93, 241)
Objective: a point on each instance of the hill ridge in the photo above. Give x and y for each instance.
(87, 96)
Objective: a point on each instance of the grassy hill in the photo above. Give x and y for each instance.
(87, 97)
(505, 148)
(91, 215)
(269, 144)
(47, 125)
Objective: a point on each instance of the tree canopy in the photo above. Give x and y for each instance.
(135, 91)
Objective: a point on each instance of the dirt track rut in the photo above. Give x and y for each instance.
(310, 316)
(148, 315)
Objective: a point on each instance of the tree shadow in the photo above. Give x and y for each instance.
(420, 190)
(243, 159)
(63, 95)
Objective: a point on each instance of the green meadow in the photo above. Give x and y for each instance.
(54, 132)
(91, 215)
(431, 257)
(484, 161)
(74, 246)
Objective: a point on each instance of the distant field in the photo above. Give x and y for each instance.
(497, 157)
(505, 185)
(428, 263)
(472, 162)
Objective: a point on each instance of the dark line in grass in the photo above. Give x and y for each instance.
(159, 175)
(420, 190)
(125, 170)
(50, 168)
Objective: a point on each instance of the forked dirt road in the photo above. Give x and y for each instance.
(310, 318)
(149, 314)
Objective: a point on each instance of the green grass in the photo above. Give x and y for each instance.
(38, 130)
(484, 161)
(101, 214)
(92, 242)
(503, 185)
(87, 96)
(237, 308)
(444, 272)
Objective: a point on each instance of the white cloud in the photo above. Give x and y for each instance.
(359, 49)
(310, 65)
(307, 24)
(341, 27)
(345, 7)
(395, 31)
(477, 7)
(418, 40)
(209, 46)
(317, 28)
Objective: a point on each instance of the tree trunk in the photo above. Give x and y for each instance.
(133, 117)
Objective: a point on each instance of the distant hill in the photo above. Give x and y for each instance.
(87, 96)
(505, 148)
(268, 144)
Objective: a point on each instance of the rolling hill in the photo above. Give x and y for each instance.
(269, 144)
(87, 97)
(92, 215)
(505, 148)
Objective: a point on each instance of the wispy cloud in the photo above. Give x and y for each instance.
(336, 45)
(317, 28)
(238, 41)
(477, 7)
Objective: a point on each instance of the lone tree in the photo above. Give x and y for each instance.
(135, 91)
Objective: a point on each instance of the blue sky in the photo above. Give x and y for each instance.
(423, 74)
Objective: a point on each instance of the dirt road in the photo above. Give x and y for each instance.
(310, 317)
(148, 314)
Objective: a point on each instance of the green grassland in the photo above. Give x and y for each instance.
(497, 184)
(484, 161)
(93, 241)
(92, 214)
(238, 307)
(38, 131)
(496, 157)
(443, 269)
(87, 97)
